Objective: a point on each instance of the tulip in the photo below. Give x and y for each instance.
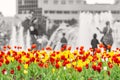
(18, 68)
(33, 46)
(7, 62)
(57, 65)
(53, 70)
(25, 72)
(79, 69)
(25, 66)
(108, 72)
(12, 71)
(0, 64)
(4, 71)
(98, 68)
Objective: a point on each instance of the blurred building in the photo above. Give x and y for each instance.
(60, 10)
(65, 10)
(27, 6)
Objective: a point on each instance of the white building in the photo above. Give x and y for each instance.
(60, 10)
(64, 10)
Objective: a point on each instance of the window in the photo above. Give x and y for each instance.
(51, 12)
(23, 12)
(55, 1)
(63, 2)
(23, 2)
(74, 12)
(19, 1)
(66, 12)
(19, 12)
(59, 12)
(115, 12)
(46, 12)
(46, 1)
(57, 21)
(66, 21)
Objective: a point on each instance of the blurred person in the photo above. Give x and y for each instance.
(94, 42)
(107, 38)
(63, 40)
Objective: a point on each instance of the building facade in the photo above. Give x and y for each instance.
(26, 6)
(60, 10)
(65, 10)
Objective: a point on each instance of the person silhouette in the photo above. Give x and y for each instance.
(63, 41)
(94, 42)
(107, 38)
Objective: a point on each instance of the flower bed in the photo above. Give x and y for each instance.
(47, 64)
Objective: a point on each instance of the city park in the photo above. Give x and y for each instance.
(23, 57)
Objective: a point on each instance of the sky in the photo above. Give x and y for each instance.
(8, 7)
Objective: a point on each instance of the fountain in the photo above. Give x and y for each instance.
(13, 40)
(87, 26)
(28, 40)
(20, 39)
(83, 34)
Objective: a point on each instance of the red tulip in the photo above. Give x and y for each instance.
(20, 61)
(33, 46)
(98, 68)
(7, 62)
(8, 53)
(81, 52)
(0, 64)
(100, 64)
(87, 66)
(94, 67)
(110, 65)
(65, 63)
(101, 45)
(48, 48)
(4, 71)
(1, 60)
(46, 66)
(18, 68)
(77, 48)
(108, 72)
(82, 47)
(63, 57)
(98, 50)
(9, 47)
(12, 71)
(41, 64)
(57, 66)
(29, 49)
(69, 48)
(4, 47)
(15, 47)
(52, 60)
(109, 46)
(79, 69)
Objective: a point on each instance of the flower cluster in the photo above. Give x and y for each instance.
(34, 63)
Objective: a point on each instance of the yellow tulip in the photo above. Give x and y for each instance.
(53, 70)
(25, 66)
(25, 72)
(68, 65)
(60, 63)
(74, 63)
